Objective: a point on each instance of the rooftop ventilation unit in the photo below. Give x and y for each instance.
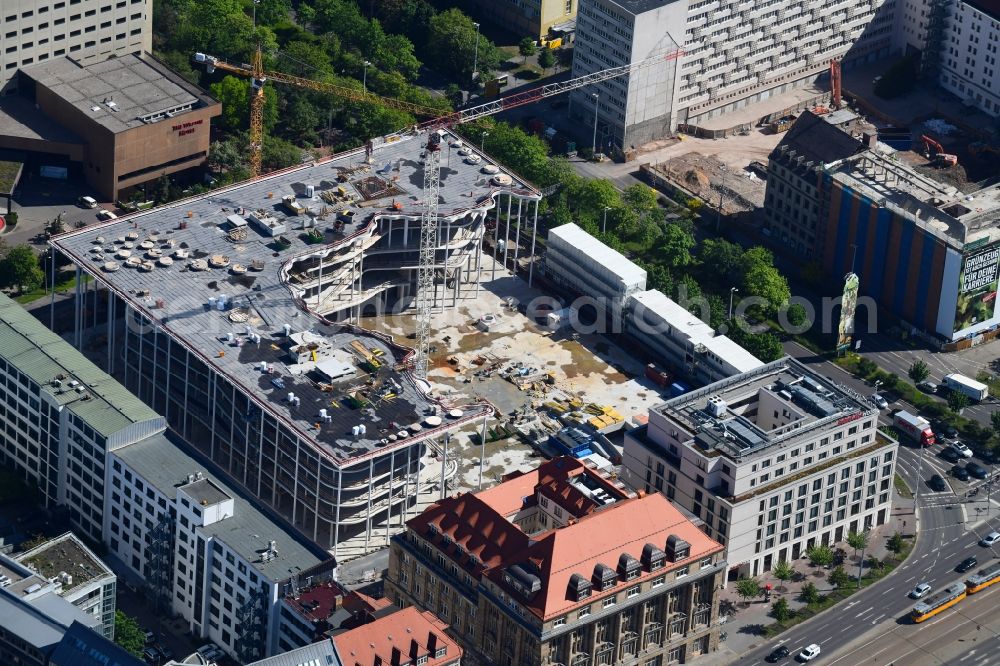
(716, 406)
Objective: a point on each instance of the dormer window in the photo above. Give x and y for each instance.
(628, 567)
(652, 557)
(604, 577)
(677, 548)
(579, 587)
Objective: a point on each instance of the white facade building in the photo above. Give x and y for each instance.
(33, 31)
(219, 562)
(576, 260)
(683, 340)
(78, 576)
(772, 461)
(733, 53)
(969, 66)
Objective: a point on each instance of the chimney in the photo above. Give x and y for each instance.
(870, 139)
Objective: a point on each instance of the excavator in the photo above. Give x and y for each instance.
(934, 151)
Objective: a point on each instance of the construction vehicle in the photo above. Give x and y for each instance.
(426, 267)
(934, 151)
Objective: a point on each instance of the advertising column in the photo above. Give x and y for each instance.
(848, 303)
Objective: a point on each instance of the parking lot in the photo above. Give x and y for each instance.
(38, 201)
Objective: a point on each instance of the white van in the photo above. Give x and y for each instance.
(106, 215)
(87, 202)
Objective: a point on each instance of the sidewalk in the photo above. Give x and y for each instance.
(744, 624)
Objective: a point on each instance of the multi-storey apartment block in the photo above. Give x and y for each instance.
(771, 462)
(726, 54)
(33, 31)
(60, 415)
(79, 577)
(969, 52)
(239, 309)
(562, 565)
(535, 18)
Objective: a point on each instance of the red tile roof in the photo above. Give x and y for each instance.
(316, 603)
(411, 632)
(357, 603)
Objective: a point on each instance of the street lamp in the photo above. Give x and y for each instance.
(364, 81)
(597, 98)
(475, 58)
(732, 290)
(604, 224)
(482, 142)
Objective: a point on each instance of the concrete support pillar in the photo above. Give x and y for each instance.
(517, 235)
(336, 527)
(368, 516)
(482, 450)
(506, 231)
(534, 232)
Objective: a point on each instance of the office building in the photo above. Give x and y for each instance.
(730, 55)
(243, 328)
(683, 341)
(205, 552)
(116, 123)
(924, 250)
(60, 415)
(309, 612)
(562, 565)
(772, 462)
(585, 266)
(968, 53)
(78, 576)
(39, 30)
(41, 626)
(538, 19)
(794, 171)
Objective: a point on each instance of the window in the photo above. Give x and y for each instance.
(683, 571)
(583, 612)
(608, 603)
(559, 622)
(632, 592)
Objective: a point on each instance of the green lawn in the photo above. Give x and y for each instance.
(63, 285)
(8, 172)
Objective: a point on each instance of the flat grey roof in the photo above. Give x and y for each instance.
(178, 298)
(42, 621)
(19, 118)
(118, 93)
(53, 363)
(205, 492)
(166, 465)
(323, 653)
(67, 554)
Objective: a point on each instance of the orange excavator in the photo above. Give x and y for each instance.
(934, 151)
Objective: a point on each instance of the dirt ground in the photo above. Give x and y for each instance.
(711, 179)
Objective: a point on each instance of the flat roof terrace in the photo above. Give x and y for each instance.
(208, 257)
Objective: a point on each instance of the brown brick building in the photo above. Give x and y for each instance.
(563, 565)
(117, 123)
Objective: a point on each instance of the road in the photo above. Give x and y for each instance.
(943, 540)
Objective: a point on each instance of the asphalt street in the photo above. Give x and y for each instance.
(944, 538)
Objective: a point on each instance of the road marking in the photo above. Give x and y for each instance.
(909, 579)
(865, 612)
(875, 621)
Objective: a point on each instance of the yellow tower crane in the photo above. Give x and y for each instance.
(258, 77)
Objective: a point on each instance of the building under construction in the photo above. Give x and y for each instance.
(234, 314)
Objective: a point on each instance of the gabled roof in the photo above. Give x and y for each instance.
(601, 538)
(410, 632)
(818, 141)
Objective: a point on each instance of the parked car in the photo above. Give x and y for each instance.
(150, 637)
(978, 471)
(966, 564)
(937, 483)
(962, 449)
(960, 473)
(879, 401)
(152, 656)
(777, 654)
(920, 590)
(809, 652)
(990, 539)
(928, 387)
(950, 454)
(949, 431)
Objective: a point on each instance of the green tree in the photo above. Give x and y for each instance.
(918, 371)
(526, 47)
(270, 12)
(838, 577)
(454, 94)
(767, 283)
(234, 93)
(748, 588)
(780, 610)
(546, 59)
(995, 422)
(890, 380)
(765, 346)
(640, 198)
(957, 401)
(19, 268)
(810, 594)
(797, 315)
(820, 555)
(451, 46)
(675, 246)
(858, 541)
(866, 367)
(128, 634)
(724, 260)
(278, 153)
(595, 195)
(783, 571)
(896, 543)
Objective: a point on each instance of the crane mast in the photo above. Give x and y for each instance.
(428, 250)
